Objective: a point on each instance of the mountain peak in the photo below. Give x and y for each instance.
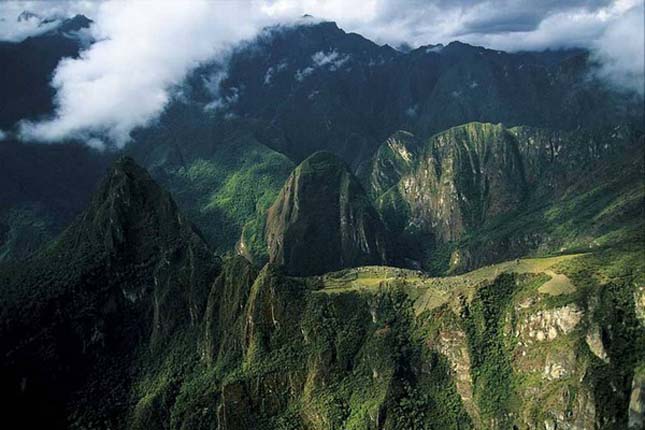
(323, 221)
(75, 23)
(131, 213)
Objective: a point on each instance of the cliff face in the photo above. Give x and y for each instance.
(128, 321)
(481, 193)
(395, 158)
(461, 177)
(544, 343)
(323, 221)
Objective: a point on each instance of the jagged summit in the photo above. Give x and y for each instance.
(130, 206)
(75, 23)
(61, 24)
(323, 221)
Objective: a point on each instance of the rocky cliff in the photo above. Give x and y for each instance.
(383, 348)
(323, 221)
(128, 321)
(480, 193)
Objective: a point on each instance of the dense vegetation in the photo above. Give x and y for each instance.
(125, 315)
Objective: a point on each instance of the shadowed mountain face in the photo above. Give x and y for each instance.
(323, 221)
(128, 321)
(130, 273)
(317, 157)
(42, 189)
(315, 87)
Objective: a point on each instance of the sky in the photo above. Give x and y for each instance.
(124, 80)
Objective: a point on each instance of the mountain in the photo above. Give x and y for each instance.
(483, 192)
(394, 158)
(447, 237)
(323, 221)
(128, 320)
(129, 275)
(298, 89)
(35, 208)
(315, 87)
(221, 176)
(42, 189)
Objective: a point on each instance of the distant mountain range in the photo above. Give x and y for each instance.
(324, 233)
(297, 90)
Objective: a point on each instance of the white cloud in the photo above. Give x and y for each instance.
(272, 71)
(146, 48)
(214, 85)
(332, 59)
(620, 50)
(268, 76)
(302, 74)
(611, 29)
(124, 80)
(3, 135)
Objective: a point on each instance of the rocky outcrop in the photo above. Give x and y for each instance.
(481, 193)
(595, 343)
(549, 324)
(452, 342)
(462, 177)
(639, 304)
(637, 401)
(322, 220)
(395, 158)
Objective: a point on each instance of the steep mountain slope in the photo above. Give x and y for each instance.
(221, 176)
(394, 158)
(42, 189)
(323, 221)
(464, 176)
(549, 342)
(129, 321)
(131, 273)
(314, 87)
(489, 193)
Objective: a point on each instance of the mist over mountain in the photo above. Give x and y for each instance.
(277, 223)
(299, 89)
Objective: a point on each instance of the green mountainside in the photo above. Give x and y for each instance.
(131, 273)
(481, 193)
(128, 320)
(224, 180)
(450, 237)
(42, 189)
(237, 130)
